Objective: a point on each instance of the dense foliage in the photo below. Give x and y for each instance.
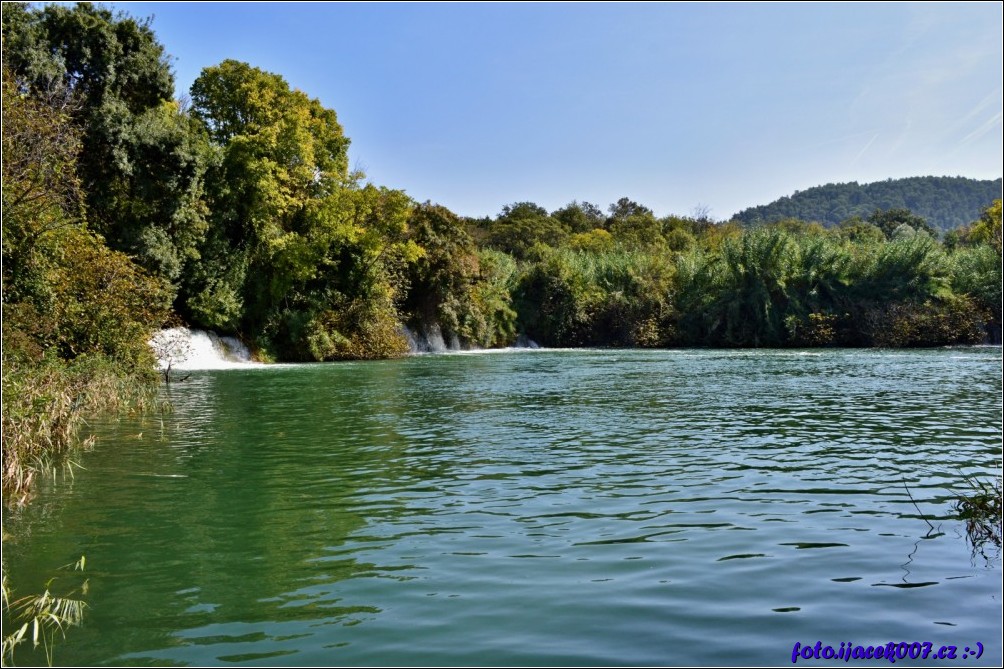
(944, 202)
(123, 208)
(76, 314)
(141, 161)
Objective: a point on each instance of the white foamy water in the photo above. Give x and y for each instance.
(429, 339)
(184, 349)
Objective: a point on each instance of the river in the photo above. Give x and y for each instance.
(598, 507)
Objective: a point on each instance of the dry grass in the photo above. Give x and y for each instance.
(45, 404)
(39, 617)
(44, 407)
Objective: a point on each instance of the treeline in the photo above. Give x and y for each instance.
(944, 202)
(237, 212)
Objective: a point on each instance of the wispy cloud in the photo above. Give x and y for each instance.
(844, 139)
(987, 126)
(976, 111)
(865, 148)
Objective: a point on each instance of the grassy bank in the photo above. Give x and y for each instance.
(44, 406)
(46, 403)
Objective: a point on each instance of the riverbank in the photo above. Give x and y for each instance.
(47, 401)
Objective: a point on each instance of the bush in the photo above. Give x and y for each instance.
(616, 298)
(952, 320)
(362, 330)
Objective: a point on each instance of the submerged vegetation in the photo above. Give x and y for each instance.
(44, 406)
(980, 506)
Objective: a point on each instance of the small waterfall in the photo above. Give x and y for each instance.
(429, 339)
(434, 338)
(413, 344)
(522, 341)
(184, 349)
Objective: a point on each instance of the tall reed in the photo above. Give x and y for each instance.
(40, 617)
(980, 506)
(44, 406)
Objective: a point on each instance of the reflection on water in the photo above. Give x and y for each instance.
(574, 507)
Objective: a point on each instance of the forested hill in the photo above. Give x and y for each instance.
(946, 202)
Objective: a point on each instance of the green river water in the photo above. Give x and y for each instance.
(532, 507)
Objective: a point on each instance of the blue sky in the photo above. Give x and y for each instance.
(674, 105)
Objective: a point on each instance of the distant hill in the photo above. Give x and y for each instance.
(946, 202)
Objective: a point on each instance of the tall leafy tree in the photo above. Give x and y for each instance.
(465, 292)
(987, 229)
(578, 217)
(65, 294)
(523, 225)
(634, 225)
(142, 158)
(41, 190)
(441, 275)
(301, 254)
(890, 220)
(280, 153)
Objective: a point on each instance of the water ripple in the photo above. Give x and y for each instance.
(559, 507)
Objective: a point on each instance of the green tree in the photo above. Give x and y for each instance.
(440, 277)
(41, 190)
(987, 230)
(617, 297)
(142, 161)
(281, 155)
(579, 217)
(856, 230)
(888, 221)
(492, 320)
(625, 208)
(523, 225)
(597, 240)
(332, 289)
(634, 225)
(636, 307)
(280, 149)
(976, 273)
(679, 240)
(451, 284)
(557, 298)
(64, 291)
